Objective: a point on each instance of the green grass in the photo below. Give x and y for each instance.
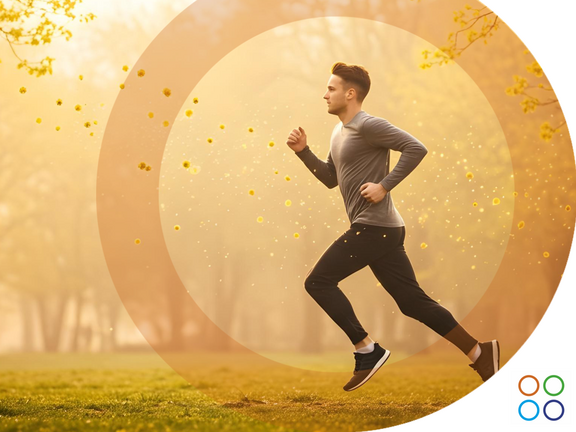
(139, 392)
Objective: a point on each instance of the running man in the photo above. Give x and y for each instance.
(359, 163)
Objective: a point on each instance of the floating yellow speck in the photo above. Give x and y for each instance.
(142, 165)
(250, 130)
(525, 194)
(260, 219)
(137, 241)
(122, 86)
(568, 207)
(165, 123)
(521, 224)
(473, 267)
(95, 122)
(357, 232)
(288, 203)
(475, 204)
(546, 254)
(57, 128)
(59, 102)
(209, 140)
(189, 113)
(148, 167)
(515, 194)
(87, 125)
(276, 172)
(91, 133)
(22, 90)
(495, 201)
(271, 144)
(176, 227)
(296, 235)
(167, 92)
(222, 126)
(151, 114)
(38, 120)
(423, 245)
(80, 77)
(78, 107)
(141, 73)
(125, 68)
(194, 170)
(287, 178)
(251, 191)
(469, 175)
(195, 100)
(186, 164)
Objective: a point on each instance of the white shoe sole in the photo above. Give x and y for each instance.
(373, 371)
(495, 354)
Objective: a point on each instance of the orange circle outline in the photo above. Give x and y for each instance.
(537, 385)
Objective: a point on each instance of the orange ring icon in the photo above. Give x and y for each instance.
(520, 385)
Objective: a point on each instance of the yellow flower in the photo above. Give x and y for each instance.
(148, 168)
(296, 235)
(568, 207)
(141, 72)
(521, 224)
(165, 123)
(22, 90)
(222, 126)
(495, 201)
(78, 107)
(137, 241)
(287, 178)
(423, 245)
(125, 68)
(122, 86)
(546, 254)
(142, 165)
(288, 203)
(469, 175)
(186, 164)
(176, 227)
(271, 144)
(87, 124)
(167, 92)
(250, 130)
(195, 100)
(189, 113)
(59, 102)
(151, 114)
(535, 69)
(38, 120)
(210, 140)
(251, 191)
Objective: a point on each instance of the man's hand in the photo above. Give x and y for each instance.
(297, 139)
(373, 192)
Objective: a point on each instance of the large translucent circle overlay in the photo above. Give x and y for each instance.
(248, 276)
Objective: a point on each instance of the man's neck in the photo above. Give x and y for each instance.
(349, 115)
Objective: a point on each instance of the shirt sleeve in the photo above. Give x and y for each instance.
(324, 171)
(379, 132)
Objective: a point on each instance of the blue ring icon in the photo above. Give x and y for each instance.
(537, 410)
(544, 410)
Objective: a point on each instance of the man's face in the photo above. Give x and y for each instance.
(336, 95)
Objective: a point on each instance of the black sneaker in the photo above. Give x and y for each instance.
(366, 366)
(488, 363)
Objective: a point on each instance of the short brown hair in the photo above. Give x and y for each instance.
(354, 76)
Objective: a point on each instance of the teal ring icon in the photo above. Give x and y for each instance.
(546, 380)
(520, 410)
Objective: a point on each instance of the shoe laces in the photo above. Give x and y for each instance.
(358, 358)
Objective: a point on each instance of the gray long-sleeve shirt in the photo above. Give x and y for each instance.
(360, 153)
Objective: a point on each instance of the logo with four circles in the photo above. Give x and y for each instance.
(549, 404)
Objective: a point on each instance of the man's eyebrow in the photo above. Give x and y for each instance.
(330, 87)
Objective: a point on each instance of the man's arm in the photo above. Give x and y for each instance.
(324, 171)
(381, 133)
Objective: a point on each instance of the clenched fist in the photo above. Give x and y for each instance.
(297, 139)
(373, 192)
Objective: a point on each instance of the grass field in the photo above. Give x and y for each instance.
(139, 392)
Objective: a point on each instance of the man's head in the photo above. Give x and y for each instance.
(347, 87)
